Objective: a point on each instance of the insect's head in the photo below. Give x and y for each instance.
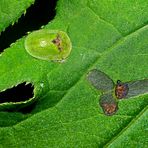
(119, 82)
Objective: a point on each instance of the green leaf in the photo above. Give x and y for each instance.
(107, 35)
(11, 10)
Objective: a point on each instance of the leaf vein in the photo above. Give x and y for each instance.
(126, 127)
(100, 18)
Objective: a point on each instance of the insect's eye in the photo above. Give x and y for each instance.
(119, 82)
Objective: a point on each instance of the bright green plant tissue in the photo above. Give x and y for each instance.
(107, 35)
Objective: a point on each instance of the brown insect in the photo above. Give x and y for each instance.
(120, 90)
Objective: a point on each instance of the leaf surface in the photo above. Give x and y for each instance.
(11, 10)
(107, 35)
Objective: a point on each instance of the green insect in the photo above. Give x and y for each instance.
(50, 45)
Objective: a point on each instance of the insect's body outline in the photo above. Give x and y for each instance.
(50, 45)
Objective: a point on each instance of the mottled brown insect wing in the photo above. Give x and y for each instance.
(108, 103)
(136, 88)
(100, 80)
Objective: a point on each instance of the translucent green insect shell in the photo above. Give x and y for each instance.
(50, 45)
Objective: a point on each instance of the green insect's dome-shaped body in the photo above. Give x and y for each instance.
(48, 45)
